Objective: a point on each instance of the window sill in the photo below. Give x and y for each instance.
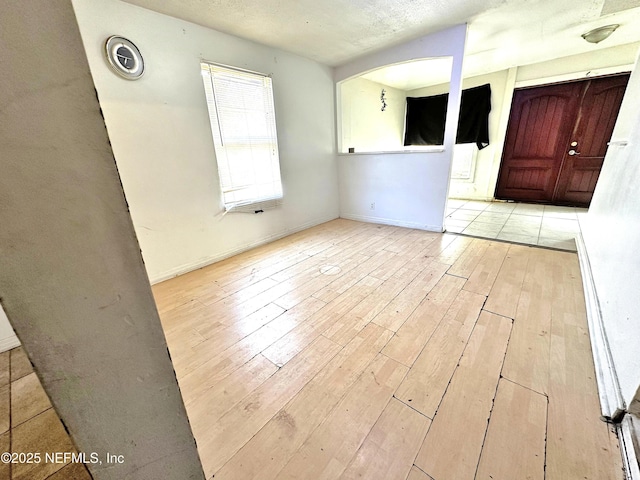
(434, 149)
(258, 206)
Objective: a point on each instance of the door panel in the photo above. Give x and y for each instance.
(598, 113)
(539, 125)
(556, 140)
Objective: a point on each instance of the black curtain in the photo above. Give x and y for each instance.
(426, 118)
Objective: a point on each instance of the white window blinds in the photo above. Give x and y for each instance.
(243, 124)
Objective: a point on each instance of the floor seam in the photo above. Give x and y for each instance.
(493, 401)
(502, 377)
(412, 408)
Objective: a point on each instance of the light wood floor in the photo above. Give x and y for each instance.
(354, 350)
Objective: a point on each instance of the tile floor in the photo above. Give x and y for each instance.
(531, 224)
(28, 423)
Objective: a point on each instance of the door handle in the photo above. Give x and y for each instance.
(573, 152)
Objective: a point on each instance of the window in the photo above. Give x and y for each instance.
(243, 124)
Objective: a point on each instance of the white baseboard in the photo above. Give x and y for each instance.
(182, 269)
(612, 404)
(627, 436)
(391, 221)
(473, 198)
(8, 343)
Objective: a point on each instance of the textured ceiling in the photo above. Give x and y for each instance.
(613, 6)
(329, 31)
(502, 33)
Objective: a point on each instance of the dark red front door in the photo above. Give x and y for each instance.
(556, 140)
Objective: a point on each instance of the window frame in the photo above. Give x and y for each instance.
(237, 95)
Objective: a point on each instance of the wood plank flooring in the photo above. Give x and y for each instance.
(354, 350)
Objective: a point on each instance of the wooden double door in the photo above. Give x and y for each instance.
(556, 140)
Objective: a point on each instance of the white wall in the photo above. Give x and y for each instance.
(8, 339)
(365, 127)
(611, 232)
(162, 142)
(597, 62)
(488, 159)
(408, 189)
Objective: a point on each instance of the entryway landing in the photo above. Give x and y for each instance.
(531, 224)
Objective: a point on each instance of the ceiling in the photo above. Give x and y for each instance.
(502, 33)
(416, 74)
